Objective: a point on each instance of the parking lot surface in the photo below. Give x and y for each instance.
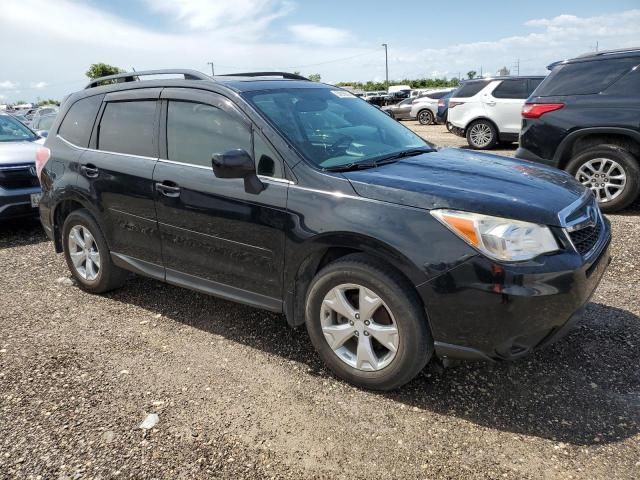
(239, 394)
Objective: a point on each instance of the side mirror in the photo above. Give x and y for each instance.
(43, 133)
(237, 164)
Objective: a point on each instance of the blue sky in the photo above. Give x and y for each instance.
(338, 39)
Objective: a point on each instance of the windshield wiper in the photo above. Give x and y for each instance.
(349, 167)
(382, 160)
(394, 157)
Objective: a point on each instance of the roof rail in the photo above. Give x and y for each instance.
(609, 52)
(288, 76)
(133, 76)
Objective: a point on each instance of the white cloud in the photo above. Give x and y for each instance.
(210, 15)
(319, 35)
(8, 85)
(39, 85)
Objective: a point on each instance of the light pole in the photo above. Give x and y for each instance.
(211, 63)
(386, 65)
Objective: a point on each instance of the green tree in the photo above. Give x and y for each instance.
(471, 74)
(315, 77)
(49, 101)
(97, 70)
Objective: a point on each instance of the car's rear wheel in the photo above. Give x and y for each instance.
(449, 126)
(87, 254)
(482, 135)
(611, 172)
(367, 323)
(425, 117)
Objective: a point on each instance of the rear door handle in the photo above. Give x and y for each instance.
(90, 170)
(168, 190)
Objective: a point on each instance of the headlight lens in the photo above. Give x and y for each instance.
(499, 238)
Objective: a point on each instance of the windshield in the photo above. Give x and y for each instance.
(11, 130)
(332, 128)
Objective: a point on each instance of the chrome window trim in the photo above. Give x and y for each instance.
(86, 149)
(261, 177)
(26, 166)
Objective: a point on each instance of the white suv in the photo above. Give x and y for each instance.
(425, 107)
(487, 110)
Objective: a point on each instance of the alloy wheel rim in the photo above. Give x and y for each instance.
(84, 252)
(604, 176)
(480, 134)
(359, 327)
(425, 117)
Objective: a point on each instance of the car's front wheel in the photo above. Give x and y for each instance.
(611, 172)
(87, 254)
(425, 117)
(367, 323)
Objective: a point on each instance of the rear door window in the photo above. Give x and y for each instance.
(469, 89)
(584, 78)
(78, 122)
(511, 89)
(129, 127)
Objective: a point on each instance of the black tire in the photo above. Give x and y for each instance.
(490, 130)
(627, 162)
(109, 276)
(425, 117)
(415, 344)
(449, 127)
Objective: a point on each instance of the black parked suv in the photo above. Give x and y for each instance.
(585, 118)
(298, 197)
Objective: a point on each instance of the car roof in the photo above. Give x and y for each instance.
(502, 77)
(602, 55)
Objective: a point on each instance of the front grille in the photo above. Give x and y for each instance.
(17, 176)
(586, 238)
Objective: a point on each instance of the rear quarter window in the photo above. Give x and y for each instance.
(78, 122)
(512, 89)
(470, 89)
(585, 78)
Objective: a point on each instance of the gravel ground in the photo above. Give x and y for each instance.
(240, 395)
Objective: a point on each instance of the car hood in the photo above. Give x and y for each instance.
(18, 152)
(475, 182)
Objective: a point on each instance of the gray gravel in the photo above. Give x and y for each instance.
(240, 395)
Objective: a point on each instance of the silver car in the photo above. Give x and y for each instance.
(19, 185)
(402, 110)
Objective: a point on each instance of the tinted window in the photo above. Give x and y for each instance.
(469, 89)
(533, 84)
(627, 85)
(511, 89)
(436, 95)
(127, 127)
(78, 122)
(585, 78)
(196, 131)
(267, 161)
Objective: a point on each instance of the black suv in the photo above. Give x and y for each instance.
(298, 197)
(585, 118)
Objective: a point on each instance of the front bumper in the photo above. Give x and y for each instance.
(484, 310)
(16, 203)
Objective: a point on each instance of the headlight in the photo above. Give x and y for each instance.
(499, 238)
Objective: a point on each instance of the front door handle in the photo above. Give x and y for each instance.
(168, 189)
(90, 170)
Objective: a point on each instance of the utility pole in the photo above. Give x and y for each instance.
(516, 67)
(481, 71)
(386, 65)
(212, 72)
